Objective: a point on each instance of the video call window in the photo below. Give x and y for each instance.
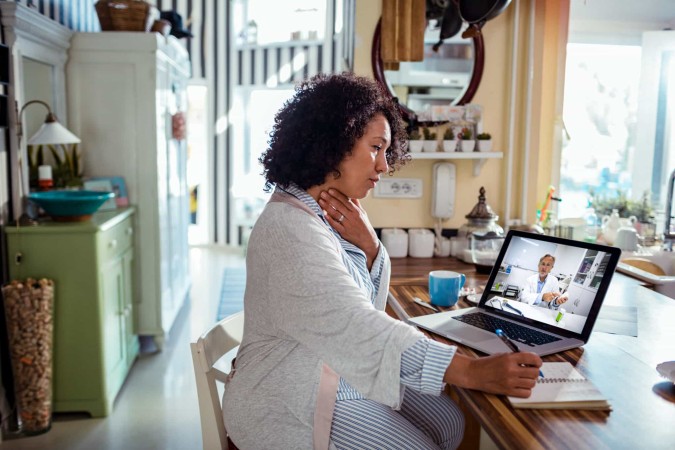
(548, 282)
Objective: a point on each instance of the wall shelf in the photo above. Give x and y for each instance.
(479, 158)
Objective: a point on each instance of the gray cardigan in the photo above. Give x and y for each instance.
(306, 321)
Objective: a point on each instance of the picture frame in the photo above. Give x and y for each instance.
(119, 187)
(102, 185)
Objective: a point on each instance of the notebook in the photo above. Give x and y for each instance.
(562, 387)
(581, 272)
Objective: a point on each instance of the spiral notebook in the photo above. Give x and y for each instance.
(562, 387)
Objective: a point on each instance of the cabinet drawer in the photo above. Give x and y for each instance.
(115, 241)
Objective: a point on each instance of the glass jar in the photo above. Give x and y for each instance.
(481, 220)
(485, 249)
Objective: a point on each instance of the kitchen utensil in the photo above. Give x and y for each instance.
(477, 12)
(474, 11)
(451, 23)
(421, 302)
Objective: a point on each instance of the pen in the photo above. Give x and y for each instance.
(509, 343)
(425, 304)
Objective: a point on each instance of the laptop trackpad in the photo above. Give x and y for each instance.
(465, 333)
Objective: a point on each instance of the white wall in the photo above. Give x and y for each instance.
(567, 260)
(525, 253)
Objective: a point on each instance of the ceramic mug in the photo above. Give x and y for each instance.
(444, 287)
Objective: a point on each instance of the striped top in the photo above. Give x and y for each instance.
(422, 365)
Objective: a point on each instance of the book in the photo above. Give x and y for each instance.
(562, 387)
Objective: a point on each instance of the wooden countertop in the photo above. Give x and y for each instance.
(622, 367)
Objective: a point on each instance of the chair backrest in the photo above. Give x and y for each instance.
(209, 348)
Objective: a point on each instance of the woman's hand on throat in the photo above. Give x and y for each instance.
(348, 218)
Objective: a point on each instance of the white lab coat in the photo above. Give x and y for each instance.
(529, 293)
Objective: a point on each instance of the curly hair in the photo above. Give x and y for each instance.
(319, 126)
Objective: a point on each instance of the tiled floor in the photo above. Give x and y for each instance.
(157, 406)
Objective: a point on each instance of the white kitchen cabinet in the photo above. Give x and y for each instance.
(123, 89)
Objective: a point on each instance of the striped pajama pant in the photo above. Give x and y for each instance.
(423, 422)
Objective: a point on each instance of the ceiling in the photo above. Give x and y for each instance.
(619, 22)
(655, 11)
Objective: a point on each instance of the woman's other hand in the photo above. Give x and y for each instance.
(513, 374)
(349, 219)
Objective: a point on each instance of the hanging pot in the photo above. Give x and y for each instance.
(477, 12)
(451, 23)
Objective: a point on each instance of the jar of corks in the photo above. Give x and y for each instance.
(29, 316)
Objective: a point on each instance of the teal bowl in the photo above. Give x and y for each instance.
(70, 205)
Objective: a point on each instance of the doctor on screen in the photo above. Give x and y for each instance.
(542, 288)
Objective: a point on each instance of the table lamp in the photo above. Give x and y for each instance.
(51, 132)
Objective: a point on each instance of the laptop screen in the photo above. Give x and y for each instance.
(559, 283)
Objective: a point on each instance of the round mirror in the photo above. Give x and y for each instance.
(449, 75)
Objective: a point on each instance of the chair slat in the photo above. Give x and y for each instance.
(206, 351)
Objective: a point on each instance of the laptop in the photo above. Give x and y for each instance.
(579, 272)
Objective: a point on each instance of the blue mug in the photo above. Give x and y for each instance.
(444, 287)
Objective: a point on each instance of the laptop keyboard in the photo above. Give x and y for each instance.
(516, 332)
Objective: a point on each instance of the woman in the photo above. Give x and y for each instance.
(321, 365)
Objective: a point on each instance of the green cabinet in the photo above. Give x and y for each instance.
(91, 264)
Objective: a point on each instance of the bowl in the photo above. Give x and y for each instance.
(70, 206)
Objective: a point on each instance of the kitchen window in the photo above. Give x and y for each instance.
(600, 116)
(618, 105)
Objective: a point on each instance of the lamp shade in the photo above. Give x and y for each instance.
(53, 133)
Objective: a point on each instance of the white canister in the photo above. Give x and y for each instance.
(442, 248)
(421, 243)
(395, 240)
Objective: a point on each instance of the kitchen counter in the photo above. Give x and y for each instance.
(415, 271)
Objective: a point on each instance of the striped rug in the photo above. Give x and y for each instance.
(232, 292)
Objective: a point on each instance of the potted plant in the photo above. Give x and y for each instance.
(466, 143)
(641, 209)
(416, 142)
(449, 142)
(484, 142)
(430, 143)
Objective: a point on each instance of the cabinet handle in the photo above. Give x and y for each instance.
(113, 243)
(130, 231)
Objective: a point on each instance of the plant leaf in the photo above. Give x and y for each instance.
(57, 157)
(68, 160)
(76, 161)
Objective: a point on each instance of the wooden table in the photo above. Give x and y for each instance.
(622, 367)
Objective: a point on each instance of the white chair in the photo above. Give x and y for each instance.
(209, 348)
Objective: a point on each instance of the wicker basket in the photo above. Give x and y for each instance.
(125, 15)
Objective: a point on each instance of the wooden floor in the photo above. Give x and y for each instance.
(157, 406)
